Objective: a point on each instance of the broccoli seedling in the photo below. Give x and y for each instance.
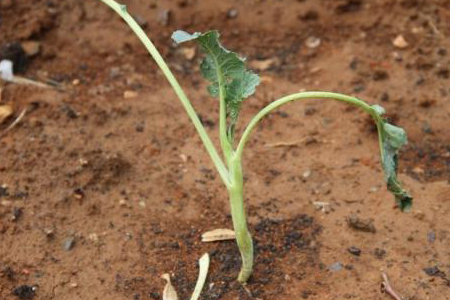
(231, 82)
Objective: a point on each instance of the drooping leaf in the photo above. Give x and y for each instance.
(225, 70)
(392, 139)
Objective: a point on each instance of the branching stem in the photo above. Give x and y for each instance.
(303, 96)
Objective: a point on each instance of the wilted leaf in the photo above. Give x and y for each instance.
(392, 139)
(225, 70)
(169, 292)
(5, 112)
(218, 235)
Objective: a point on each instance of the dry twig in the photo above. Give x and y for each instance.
(386, 287)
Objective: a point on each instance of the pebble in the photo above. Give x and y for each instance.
(313, 42)
(188, 53)
(431, 237)
(357, 223)
(93, 237)
(432, 271)
(16, 213)
(306, 174)
(232, 13)
(24, 292)
(354, 250)
(337, 266)
(400, 42)
(130, 94)
(69, 243)
(263, 64)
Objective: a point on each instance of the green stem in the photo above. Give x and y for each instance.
(243, 237)
(122, 11)
(303, 96)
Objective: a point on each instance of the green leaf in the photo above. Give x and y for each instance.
(225, 70)
(392, 139)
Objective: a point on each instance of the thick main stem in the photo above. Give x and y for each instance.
(243, 237)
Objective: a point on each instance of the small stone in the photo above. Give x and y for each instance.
(4, 191)
(76, 82)
(78, 193)
(431, 237)
(130, 94)
(306, 174)
(93, 237)
(188, 53)
(24, 292)
(49, 233)
(69, 243)
(263, 64)
(400, 42)
(73, 284)
(123, 202)
(337, 266)
(142, 204)
(354, 250)
(16, 213)
(232, 13)
(357, 223)
(379, 253)
(31, 48)
(313, 42)
(83, 162)
(432, 271)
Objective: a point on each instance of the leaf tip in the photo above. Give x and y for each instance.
(180, 36)
(405, 203)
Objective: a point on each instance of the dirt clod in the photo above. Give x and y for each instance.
(360, 224)
(354, 250)
(24, 292)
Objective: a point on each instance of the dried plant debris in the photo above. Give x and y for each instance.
(170, 293)
(5, 111)
(218, 235)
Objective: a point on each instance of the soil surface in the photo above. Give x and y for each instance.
(105, 184)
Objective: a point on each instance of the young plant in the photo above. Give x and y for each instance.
(231, 82)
